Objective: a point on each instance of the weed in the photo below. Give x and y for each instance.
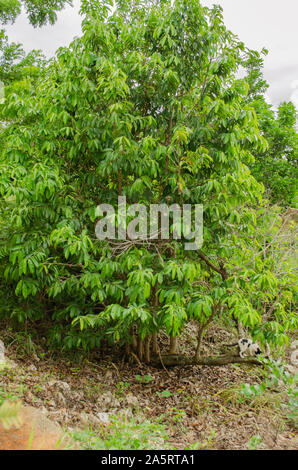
(92, 389)
(255, 442)
(278, 390)
(144, 378)
(124, 433)
(164, 394)
(121, 388)
(207, 444)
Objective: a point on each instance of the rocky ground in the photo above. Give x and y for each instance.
(198, 405)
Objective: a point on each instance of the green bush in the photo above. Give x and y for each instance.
(146, 105)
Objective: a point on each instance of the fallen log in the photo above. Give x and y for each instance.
(170, 360)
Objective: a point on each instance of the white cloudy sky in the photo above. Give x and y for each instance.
(259, 23)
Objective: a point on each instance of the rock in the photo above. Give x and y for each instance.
(108, 375)
(52, 404)
(103, 417)
(291, 369)
(7, 364)
(88, 419)
(63, 387)
(94, 420)
(131, 400)
(109, 401)
(36, 432)
(51, 383)
(11, 364)
(4, 362)
(29, 396)
(60, 398)
(62, 390)
(84, 418)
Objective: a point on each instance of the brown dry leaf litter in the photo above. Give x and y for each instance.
(202, 406)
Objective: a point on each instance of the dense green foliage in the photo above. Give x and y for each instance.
(39, 12)
(146, 105)
(17, 66)
(277, 166)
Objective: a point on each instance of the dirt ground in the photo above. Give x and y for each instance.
(196, 403)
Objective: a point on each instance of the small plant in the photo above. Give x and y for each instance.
(255, 442)
(25, 344)
(9, 414)
(164, 394)
(278, 387)
(92, 389)
(250, 392)
(121, 387)
(7, 396)
(144, 378)
(175, 417)
(37, 388)
(178, 415)
(207, 444)
(124, 433)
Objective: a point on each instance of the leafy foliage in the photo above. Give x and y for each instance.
(39, 12)
(125, 433)
(277, 378)
(146, 105)
(276, 166)
(16, 65)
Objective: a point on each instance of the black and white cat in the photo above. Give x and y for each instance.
(247, 346)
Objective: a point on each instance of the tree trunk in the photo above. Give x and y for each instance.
(147, 349)
(200, 336)
(173, 345)
(204, 327)
(179, 360)
(154, 343)
(134, 342)
(127, 349)
(140, 348)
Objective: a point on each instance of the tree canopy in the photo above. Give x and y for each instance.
(146, 104)
(39, 12)
(277, 166)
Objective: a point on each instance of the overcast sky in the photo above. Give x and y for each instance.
(258, 23)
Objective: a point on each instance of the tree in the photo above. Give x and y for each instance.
(18, 71)
(145, 105)
(277, 166)
(13, 60)
(39, 12)
(15, 64)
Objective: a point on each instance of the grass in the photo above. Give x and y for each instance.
(136, 433)
(123, 433)
(255, 443)
(277, 391)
